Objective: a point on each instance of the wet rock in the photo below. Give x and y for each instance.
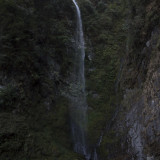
(1, 87)
(150, 158)
(140, 107)
(148, 44)
(95, 95)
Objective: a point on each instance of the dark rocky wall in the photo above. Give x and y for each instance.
(138, 120)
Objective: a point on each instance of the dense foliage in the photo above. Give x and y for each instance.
(35, 44)
(105, 41)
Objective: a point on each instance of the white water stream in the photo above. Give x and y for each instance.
(78, 101)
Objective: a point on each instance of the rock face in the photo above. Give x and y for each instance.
(141, 109)
(132, 133)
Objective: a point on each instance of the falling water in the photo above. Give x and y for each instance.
(78, 109)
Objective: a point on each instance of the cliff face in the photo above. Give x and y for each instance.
(125, 37)
(138, 119)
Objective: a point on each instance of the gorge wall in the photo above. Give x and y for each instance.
(130, 44)
(139, 110)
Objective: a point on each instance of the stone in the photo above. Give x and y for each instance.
(150, 158)
(148, 44)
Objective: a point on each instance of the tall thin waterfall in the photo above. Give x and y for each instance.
(78, 109)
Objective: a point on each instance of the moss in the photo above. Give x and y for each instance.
(109, 145)
(13, 133)
(96, 121)
(42, 134)
(35, 54)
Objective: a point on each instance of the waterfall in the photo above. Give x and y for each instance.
(95, 156)
(78, 109)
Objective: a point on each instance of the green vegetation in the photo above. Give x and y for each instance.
(105, 40)
(35, 59)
